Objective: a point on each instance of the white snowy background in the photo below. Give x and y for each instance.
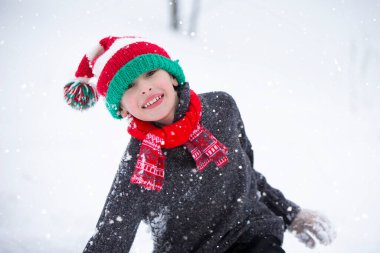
(305, 74)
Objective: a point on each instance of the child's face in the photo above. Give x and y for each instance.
(151, 97)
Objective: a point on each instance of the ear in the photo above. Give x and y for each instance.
(124, 113)
(174, 81)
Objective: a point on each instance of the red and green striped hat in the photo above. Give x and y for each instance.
(119, 61)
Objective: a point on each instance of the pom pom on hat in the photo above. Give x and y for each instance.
(80, 95)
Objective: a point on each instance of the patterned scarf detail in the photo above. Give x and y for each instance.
(203, 146)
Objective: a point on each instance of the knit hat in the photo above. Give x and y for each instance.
(119, 61)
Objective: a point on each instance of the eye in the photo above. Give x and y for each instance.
(131, 85)
(150, 73)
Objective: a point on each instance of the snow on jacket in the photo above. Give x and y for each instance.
(195, 211)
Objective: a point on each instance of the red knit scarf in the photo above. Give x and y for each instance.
(203, 146)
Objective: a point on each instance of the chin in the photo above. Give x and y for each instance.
(150, 118)
(160, 114)
(161, 118)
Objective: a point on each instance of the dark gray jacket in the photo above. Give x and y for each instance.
(195, 211)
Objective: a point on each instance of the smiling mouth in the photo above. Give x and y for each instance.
(153, 101)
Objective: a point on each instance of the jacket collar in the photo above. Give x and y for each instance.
(184, 100)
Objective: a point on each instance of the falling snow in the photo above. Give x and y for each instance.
(318, 70)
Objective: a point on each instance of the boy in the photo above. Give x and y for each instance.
(188, 169)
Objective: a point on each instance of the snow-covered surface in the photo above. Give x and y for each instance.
(305, 75)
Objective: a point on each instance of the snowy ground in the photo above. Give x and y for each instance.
(305, 75)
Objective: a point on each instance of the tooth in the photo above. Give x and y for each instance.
(154, 100)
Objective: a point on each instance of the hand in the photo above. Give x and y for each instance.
(310, 223)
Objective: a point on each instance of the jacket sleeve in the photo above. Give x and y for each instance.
(121, 215)
(271, 197)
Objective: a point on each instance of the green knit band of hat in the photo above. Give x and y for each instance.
(132, 70)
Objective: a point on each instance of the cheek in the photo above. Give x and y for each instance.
(163, 83)
(128, 100)
(130, 104)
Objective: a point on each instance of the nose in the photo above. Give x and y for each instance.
(145, 90)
